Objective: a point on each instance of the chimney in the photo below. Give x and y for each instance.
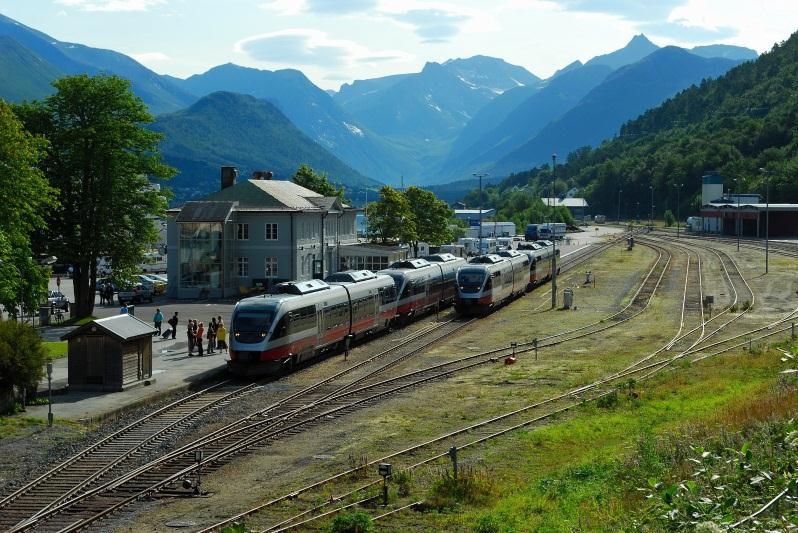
(229, 175)
(262, 175)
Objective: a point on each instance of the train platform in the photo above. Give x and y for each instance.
(173, 371)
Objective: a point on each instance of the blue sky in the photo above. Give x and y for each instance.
(336, 41)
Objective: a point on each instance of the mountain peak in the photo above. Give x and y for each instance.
(635, 50)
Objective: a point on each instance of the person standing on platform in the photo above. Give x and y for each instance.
(221, 335)
(212, 336)
(173, 322)
(190, 337)
(158, 320)
(200, 333)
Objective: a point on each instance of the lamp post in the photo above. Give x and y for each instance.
(678, 206)
(651, 217)
(619, 206)
(737, 215)
(767, 216)
(554, 255)
(480, 176)
(49, 393)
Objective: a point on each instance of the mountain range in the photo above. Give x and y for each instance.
(451, 119)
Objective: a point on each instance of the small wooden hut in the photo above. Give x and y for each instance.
(110, 354)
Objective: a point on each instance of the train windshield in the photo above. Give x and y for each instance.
(252, 324)
(470, 280)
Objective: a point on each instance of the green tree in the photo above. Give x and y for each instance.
(23, 283)
(431, 216)
(390, 218)
(22, 357)
(670, 220)
(308, 178)
(99, 159)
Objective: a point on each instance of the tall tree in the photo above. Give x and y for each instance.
(432, 217)
(23, 283)
(390, 218)
(308, 178)
(100, 158)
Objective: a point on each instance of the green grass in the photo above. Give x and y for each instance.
(55, 349)
(79, 321)
(583, 472)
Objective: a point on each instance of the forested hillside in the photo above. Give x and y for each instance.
(735, 124)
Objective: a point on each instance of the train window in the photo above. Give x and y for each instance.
(387, 294)
(409, 289)
(281, 329)
(496, 274)
(488, 285)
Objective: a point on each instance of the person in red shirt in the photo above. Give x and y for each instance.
(200, 333)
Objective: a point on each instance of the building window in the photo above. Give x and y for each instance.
(271, 231)
(243, 267)
(242, 232)
(271, 267)
(200, 255)
(356, 262)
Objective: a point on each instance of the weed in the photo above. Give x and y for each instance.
(357, 463)
(493, 523)
(608, 400)
(733, 308)
(404, 482)
(473, 486)
(38, 400)
(358, 522)
(236, 527)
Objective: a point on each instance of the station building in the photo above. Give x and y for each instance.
(725, 213)
(471, 216)
(577, 206)
(255, 233)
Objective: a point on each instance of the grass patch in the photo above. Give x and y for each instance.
(78, 321)
(55, 349)
(593, 470)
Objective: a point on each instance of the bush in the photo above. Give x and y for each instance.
(358, 522)
(472, 486)
(670, 220)
(22, 357)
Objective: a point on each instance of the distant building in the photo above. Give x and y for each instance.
(255, 233)
(493, 229)
(577, 206)
(730, 214)
(472, 215)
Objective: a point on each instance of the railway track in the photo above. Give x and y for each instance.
(487, 430)
(260, 422)
(106, 457)
(788, 249)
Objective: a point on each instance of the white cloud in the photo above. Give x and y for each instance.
(284, 7)
(306, 47)
(111, 5)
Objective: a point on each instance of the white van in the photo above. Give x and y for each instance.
(153, 262)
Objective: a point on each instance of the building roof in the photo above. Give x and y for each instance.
(567, 202)
(485, 211)
(122, 327)
(205, 211)
(743, 205)
(267, 193)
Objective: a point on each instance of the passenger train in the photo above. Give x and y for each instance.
(490, 281)
(301, 319)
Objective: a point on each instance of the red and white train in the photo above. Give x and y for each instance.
(301, 319)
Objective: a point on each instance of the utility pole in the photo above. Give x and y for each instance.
(651, 217)
(767, 216)
(619, 206)
(737, 217)
(554, 254)
(480, 176)
(678, 214)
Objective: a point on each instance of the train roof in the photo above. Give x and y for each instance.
(489, 259)
(510, 253)
(351, 276)
(441, 258)
(412, 264)
(300, 287)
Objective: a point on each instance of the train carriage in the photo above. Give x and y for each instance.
(422, 285)
(448, 265)
(483, 284)
(521, 265)
(301, 319)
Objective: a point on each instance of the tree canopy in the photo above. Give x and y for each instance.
(23, 283)
(391, 218)
(99, 159)
(22, 357)
(431, 217)
(308, 178)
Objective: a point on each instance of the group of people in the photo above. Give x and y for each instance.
(215, 334)
(106, 294)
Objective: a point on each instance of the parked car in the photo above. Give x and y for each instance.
(133, 292)
(160, 277)
(544, 243)
(57, 300)
(155, 285)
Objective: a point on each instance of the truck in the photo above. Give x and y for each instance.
(546, 230)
